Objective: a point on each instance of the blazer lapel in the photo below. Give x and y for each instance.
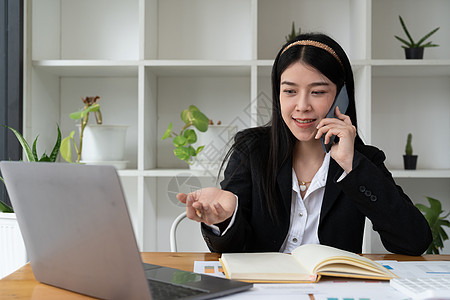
(331, 189)
(284, 180)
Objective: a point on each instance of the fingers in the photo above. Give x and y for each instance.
(342, 116)
(339, 117)
(326, 133)
(339, 129)
(209, 205)
(328, 130)
(182, 197)
(342, 127)
(209, 213)
(214, 214)
(194, 210)
(333, 126)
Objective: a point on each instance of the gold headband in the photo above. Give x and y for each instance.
(315, 44)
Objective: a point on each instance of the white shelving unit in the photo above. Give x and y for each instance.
(149, 59)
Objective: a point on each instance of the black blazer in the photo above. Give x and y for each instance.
(367, 191)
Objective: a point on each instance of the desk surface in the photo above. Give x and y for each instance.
(22, 284)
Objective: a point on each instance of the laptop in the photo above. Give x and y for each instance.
(78, 235)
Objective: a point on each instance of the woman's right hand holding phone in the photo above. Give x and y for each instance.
(209, 205)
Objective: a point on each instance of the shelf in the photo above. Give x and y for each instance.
(266, 64)
(129, 173)
(168, 173)
(150, 59)
(88, 68)
(420, 173)
(166, 68)
(410, 68)
(410, 62)
(179, 173)
(198, 68)
(171, 68)
(443, 173)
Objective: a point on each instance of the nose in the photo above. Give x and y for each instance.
(303, 102)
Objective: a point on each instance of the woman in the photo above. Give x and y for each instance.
(281, 189)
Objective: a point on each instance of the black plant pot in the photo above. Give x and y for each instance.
(410, 162)
(414, 53)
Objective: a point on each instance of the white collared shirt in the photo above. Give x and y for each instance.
(305, 212)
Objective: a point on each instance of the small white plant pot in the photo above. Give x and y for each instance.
(12, 251)
(217, 141)
(103, 143)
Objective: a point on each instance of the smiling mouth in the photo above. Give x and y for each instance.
(304, 121)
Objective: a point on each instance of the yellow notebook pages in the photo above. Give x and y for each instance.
(306, 264)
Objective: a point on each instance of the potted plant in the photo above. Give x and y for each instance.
(414, 50)
(4, 207)
(293, 34)
(409, 160)
(98, 143)
(31, 155)
(436, 222)
(203, 151)
(184, 140)
(13, 253)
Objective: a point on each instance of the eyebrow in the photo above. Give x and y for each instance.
(314, 84)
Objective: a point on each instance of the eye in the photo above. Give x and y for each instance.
(318, 92)
(289, 91)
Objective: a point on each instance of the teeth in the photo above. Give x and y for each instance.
(304, 121)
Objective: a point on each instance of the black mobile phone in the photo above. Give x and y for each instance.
(341, 101)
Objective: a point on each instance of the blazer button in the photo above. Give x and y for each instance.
(362, 188)
(368, 193)
(373, 198)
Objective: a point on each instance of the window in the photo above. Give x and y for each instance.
(11, 80)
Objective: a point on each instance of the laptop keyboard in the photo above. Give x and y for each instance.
(164, 291)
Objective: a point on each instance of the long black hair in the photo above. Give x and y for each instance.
(282, 141)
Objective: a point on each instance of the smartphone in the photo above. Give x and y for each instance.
(342, 102)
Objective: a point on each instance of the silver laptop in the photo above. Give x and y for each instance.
(79, 237)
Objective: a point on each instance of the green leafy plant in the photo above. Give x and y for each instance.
(408, 147)
(411, 43)
(32, 156)
(90, 105)
(192, 117)
(293, 34)
(436, 222)
(31, 153)
(3, 206)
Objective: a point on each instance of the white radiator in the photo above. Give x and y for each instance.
(12, 249)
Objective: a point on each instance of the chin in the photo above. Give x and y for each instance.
(304, 137)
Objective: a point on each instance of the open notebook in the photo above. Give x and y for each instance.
(306, 264)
